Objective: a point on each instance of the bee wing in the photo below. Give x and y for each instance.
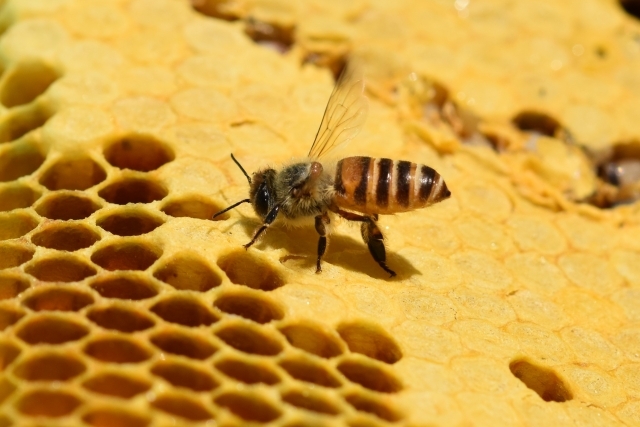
(345, 113)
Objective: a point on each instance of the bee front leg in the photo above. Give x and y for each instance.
(321, 222)
(271, 216)
(372, 236)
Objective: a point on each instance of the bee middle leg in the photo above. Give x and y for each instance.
(321, 222)
(372, 236)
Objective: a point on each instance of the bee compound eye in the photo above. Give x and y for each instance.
(262, 200)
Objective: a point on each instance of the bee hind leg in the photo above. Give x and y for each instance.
(321, 222)
(374, 239)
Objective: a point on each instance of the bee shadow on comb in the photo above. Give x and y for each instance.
(343, 251)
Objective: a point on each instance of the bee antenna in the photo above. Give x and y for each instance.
(241, 168)
(231, 207)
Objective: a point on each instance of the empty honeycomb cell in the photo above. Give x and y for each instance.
(373, 405)
(63, 268)
(250, 306)
(49, 298)
(25, 81)
(6, 389)
(120, 319)
(188, 272)
(193, 207)
(249, 406)
(14, 225)
(544, 381)
(244, 268)
(311, 401)
(273, 36)
(181, 374)
(369, 375)
(115, 384)
(12, 285)
(65, 237)
(183, 407)
(20, 121)
(310, 371)
(133, 190)
(126, 255)
(8, 353)
(50, 329)
(20, 159)
(124, 286)
(632, 7)
(370, 340)
(248, 371)
(47, 403)
(249, 339)
(215, 9)
(313, 338)
(117, 350)
(49, 366)
(9, 316)
(539, 122)
(184, 311)
(14, 255)
(66, 205)
(114, 417)
(75, 173)
(129, 222)
(138, 152)
(16, 196)
(183, 344)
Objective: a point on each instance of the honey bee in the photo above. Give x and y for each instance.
(355, 188)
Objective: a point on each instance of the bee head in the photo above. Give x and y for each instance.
(262, 192)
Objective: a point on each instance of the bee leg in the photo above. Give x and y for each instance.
(271, 216)
(372, 236)
(321, 222)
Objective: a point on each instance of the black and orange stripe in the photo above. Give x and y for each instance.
(385, 186)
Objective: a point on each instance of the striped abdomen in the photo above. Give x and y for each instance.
(386, 186)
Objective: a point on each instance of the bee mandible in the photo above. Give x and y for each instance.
(355, 188)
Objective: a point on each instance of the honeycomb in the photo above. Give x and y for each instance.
(123, 303)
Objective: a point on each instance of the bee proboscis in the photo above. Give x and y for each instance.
(355, 188)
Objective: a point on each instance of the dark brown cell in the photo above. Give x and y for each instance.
(121, 319)
(133, 190)
(63, 268)
(65, 237)
(248, 372)
(129, 222)
(184, 310)
(116, 384)
(126, 255)
(66, 205)
(50, 329)
(57, 298)
(249, 406)
(49, 366)
(138, 152)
